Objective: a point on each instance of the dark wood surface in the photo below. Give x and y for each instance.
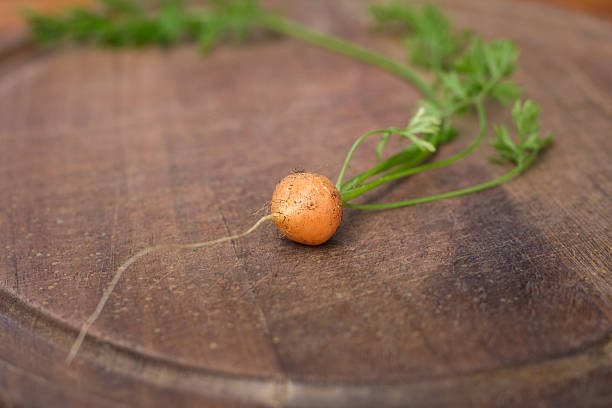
(502, 298)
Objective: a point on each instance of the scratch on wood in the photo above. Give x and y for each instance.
(13, 245)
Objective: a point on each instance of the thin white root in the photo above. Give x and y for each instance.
(94, 316)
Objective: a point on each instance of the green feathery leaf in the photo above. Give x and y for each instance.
(430, 38)
(527, 123)
(127, 23)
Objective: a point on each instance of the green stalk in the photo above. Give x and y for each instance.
(516, 171)
(291, 28)
(478, 97)
(416, 156)
(405, 159)
(352, 150)
(409, 157)
(354, 193)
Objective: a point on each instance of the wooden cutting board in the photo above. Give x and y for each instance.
(501, 298)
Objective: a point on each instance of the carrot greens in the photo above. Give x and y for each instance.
(466, 73)
(457, 72)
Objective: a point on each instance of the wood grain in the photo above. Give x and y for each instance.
(502, 298)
